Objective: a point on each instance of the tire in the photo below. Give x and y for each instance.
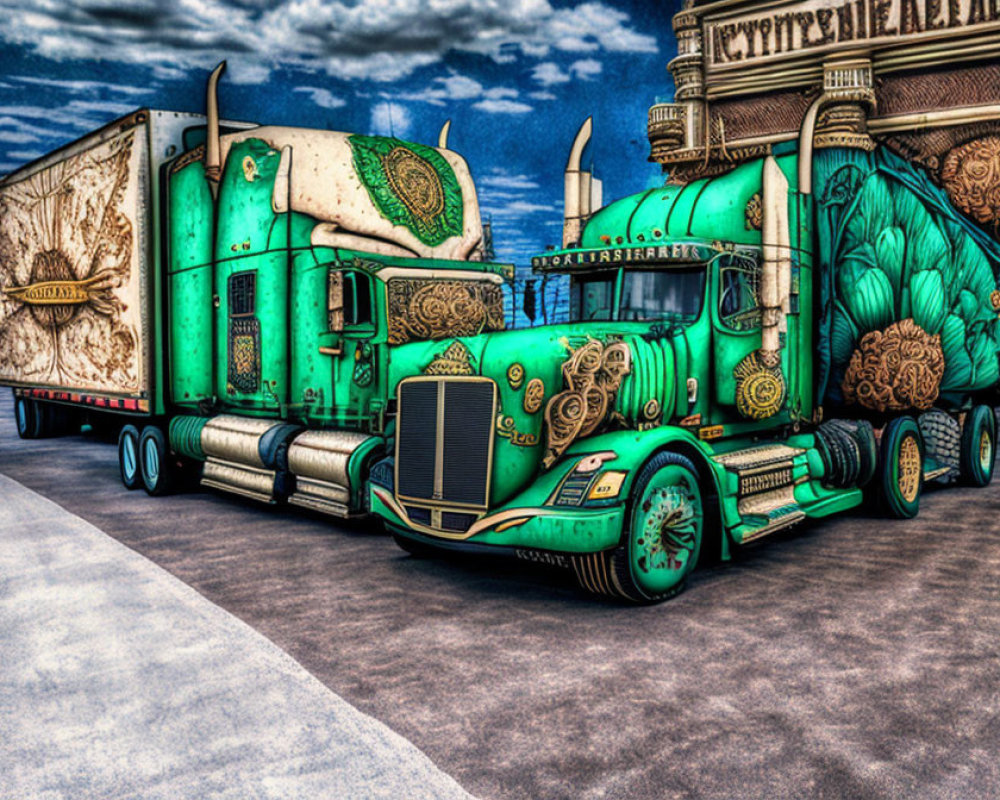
(128, 457)
(25, 415)
(666, 520)
(901, 468)
(155, 464)
(978, 451)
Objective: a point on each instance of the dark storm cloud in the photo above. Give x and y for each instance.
(349, 40)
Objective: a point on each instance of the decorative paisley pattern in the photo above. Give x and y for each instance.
(411, 185)
(434, 309)
(592, 374)
(896, 369)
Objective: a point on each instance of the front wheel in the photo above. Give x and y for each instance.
(977, 455)
(666, 521)
(902, 468)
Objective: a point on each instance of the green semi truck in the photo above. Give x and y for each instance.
(804, 316)
(229, 295)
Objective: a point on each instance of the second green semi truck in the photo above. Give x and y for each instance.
(804, 316)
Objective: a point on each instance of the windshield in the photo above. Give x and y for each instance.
(662, 294)
(647, 295)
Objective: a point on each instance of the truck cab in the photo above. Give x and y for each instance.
(678, 408)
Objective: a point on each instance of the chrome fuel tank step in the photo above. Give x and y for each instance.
(320, 461)
(247, 456)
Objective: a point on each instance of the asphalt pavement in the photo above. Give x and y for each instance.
(854, 657)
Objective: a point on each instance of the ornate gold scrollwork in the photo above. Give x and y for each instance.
(534, 395)
(593, 374)
(895, 369)
(456, 360)
(971, 174)
(506, 428)
(515, 376)
(438, 309)
(754, 213)
(760, 388)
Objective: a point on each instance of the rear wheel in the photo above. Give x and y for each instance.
(666, 521)
(902, 468)
(25, 415)
(128, 457)
(157, 469)
(977, 456)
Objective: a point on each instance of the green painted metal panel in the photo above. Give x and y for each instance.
(251, 284)
(190, 222)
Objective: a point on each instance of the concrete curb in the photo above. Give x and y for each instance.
(118, 680)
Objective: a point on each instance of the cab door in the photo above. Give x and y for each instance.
(354, 298)
(736, 323)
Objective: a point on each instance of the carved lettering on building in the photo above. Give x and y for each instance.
(831, 23)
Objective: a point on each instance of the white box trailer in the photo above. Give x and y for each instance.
(80, 256)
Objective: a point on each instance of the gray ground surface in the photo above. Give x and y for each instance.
(118, 680)
(853, 657)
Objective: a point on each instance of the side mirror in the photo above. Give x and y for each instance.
(530, 301)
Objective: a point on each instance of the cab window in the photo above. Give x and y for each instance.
(739, 293)
(357, 299)
(350, 300)
(592, 297)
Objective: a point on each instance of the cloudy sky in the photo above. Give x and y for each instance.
(517, 77)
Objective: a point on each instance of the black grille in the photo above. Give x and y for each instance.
(468, 426)
(421, 515)
(450, 521)
(415, 430)
(242, 289)
(466, 409)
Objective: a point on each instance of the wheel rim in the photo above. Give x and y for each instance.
(22, 416)
(666, 530)
(128, 456)
(909, 469)
(985, 451)
(151, 457)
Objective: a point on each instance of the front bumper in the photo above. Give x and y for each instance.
(556, 529)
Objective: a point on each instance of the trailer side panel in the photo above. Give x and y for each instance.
(74, 268)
